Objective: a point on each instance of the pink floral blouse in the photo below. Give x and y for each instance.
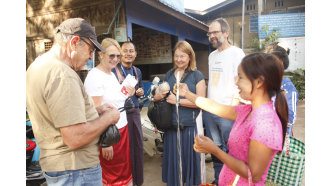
(264, 126)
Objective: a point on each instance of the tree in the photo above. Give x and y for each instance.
(271, 36)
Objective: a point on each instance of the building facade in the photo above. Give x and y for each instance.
(153, 26)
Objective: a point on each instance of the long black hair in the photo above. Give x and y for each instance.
(271, 69)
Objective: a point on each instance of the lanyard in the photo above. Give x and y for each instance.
(131, 69)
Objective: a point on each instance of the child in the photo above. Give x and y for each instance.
(290, 90)
(258, 130)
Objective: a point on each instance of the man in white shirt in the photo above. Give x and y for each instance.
(223, 64)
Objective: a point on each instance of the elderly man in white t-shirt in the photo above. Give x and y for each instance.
(223, 64)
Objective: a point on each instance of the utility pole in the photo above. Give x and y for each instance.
(260, 9)
(243, 12)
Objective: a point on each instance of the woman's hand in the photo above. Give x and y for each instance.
(107, 153)
(130, 90)
(171, 98)
(204, 144)
(182, 90)
(159, 95)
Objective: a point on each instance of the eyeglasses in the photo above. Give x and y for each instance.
(112, 56)
(214, 32)
(180, 57)
(92, 47)
(129, 51)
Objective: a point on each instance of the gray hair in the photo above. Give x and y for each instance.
(224, 24)
(62, 38)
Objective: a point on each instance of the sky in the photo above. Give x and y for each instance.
(200, 4)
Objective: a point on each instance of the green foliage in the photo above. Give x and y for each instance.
(27, 116)
(271, 36)
(298, 79)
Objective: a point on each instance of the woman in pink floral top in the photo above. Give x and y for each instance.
(258, 130)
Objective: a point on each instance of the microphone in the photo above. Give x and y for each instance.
(156, 80)
(154, 86)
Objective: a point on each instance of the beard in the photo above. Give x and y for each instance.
(219, 42)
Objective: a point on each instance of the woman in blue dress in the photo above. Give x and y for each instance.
(185, 63)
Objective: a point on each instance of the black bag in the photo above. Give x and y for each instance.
(110, 137)
(160, 112)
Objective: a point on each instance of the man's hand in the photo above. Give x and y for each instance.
(80, 134)
(107, 153)
(110, 116)
(130, 90)
(139, 92)
(104, 107)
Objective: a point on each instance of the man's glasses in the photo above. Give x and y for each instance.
(214, 32)
(112, 56)
(92, 47)
(128, 51)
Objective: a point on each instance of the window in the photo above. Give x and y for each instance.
(48, 45)
(278, 11)
(253, 22)
(279, 3)
(250, 7)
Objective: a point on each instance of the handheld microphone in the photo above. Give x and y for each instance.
(156, 80)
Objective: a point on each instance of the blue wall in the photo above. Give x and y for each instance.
(290, 25)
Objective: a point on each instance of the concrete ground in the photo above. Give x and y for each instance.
(153, 169)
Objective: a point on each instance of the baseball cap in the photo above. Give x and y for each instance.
(81, 28)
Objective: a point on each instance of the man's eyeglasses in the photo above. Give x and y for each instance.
(92, 47)
(214, 32)
(128, 51)
(112, 56)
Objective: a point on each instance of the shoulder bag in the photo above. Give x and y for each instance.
(160, 112)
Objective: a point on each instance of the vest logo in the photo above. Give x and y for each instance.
(124, 91)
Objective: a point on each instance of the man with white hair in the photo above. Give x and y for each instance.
(64, 120)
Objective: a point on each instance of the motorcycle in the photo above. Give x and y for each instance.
(34, 175)
(153, 138)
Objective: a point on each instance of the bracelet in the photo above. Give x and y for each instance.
(249, 176)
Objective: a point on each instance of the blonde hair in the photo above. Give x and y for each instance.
(185, 47)
(110, 42)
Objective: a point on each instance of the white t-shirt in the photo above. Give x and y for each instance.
(222, 71)
(98, 83)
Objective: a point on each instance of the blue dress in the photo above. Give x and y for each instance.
(191, 171)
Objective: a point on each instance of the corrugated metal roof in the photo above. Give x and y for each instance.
(211, 9)
(168, 5)
(220, 5)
